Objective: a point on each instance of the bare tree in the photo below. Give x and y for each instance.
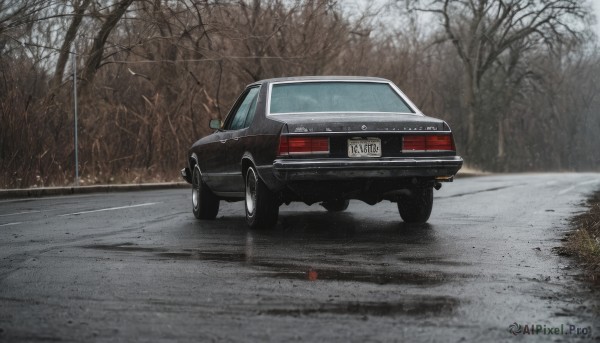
(15, 14)
(94, 59)
(159, 69)
(483, 31)
(79, 8)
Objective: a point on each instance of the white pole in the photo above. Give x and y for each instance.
(75, 114)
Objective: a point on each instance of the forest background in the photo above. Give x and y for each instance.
(517, 80)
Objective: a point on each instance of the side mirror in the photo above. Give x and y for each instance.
(215, 124)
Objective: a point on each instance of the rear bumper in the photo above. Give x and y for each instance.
(339, 169)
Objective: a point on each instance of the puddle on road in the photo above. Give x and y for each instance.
(126, 247)
(358, 275)
(288, 269)
(176, 255)
(412, 307)
(434, 260)
(205, 256)
(187, 254)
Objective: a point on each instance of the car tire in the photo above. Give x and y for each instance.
(416, 207)
(262, 207)
(336, 205)
(205, 204)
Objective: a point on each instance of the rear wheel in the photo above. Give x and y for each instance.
(336, 205)
(205, 203)
(416, 207)
(262, 207)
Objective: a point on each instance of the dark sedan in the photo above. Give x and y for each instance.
(321, 139)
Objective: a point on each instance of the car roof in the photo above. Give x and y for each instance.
(319, 78)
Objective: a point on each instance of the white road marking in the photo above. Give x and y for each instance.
(11, 224)
(17, 213)
(108, 209)
(566, 190)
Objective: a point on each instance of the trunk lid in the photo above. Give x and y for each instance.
(357, 122)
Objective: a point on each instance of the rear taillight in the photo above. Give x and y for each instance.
(303, 145)
(418, 143)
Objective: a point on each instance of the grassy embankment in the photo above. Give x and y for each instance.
(584, 242)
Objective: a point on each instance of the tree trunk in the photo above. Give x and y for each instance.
(501, 138)
(92, 64)
(65, 48)
(470, 104)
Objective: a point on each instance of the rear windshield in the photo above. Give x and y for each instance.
(336, 97)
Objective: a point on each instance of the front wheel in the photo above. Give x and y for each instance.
(262, 207)
(205, 203)
(416, 207)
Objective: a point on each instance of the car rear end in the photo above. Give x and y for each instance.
(372, 152)
(370, 166)
(375, 154)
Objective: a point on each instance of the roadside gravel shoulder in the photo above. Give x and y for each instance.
(584, 241)
(53, 191)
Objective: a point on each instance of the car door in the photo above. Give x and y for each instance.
(233, 142)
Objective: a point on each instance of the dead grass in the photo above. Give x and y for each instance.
(584, 242)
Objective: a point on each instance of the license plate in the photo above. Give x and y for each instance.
(364, 147)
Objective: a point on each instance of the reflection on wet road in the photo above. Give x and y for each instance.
(147, 270)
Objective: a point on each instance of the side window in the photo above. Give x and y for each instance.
(252, 111)
(245, 109)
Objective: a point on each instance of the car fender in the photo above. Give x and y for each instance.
(192, 160)
(247, 160)
(187, 172)
(265, 172)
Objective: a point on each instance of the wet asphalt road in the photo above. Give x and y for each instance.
(138, 267)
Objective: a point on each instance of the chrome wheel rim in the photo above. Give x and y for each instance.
(196, 189)
(250, 192)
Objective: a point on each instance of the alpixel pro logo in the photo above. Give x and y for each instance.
(518, 329)
(515, 328)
